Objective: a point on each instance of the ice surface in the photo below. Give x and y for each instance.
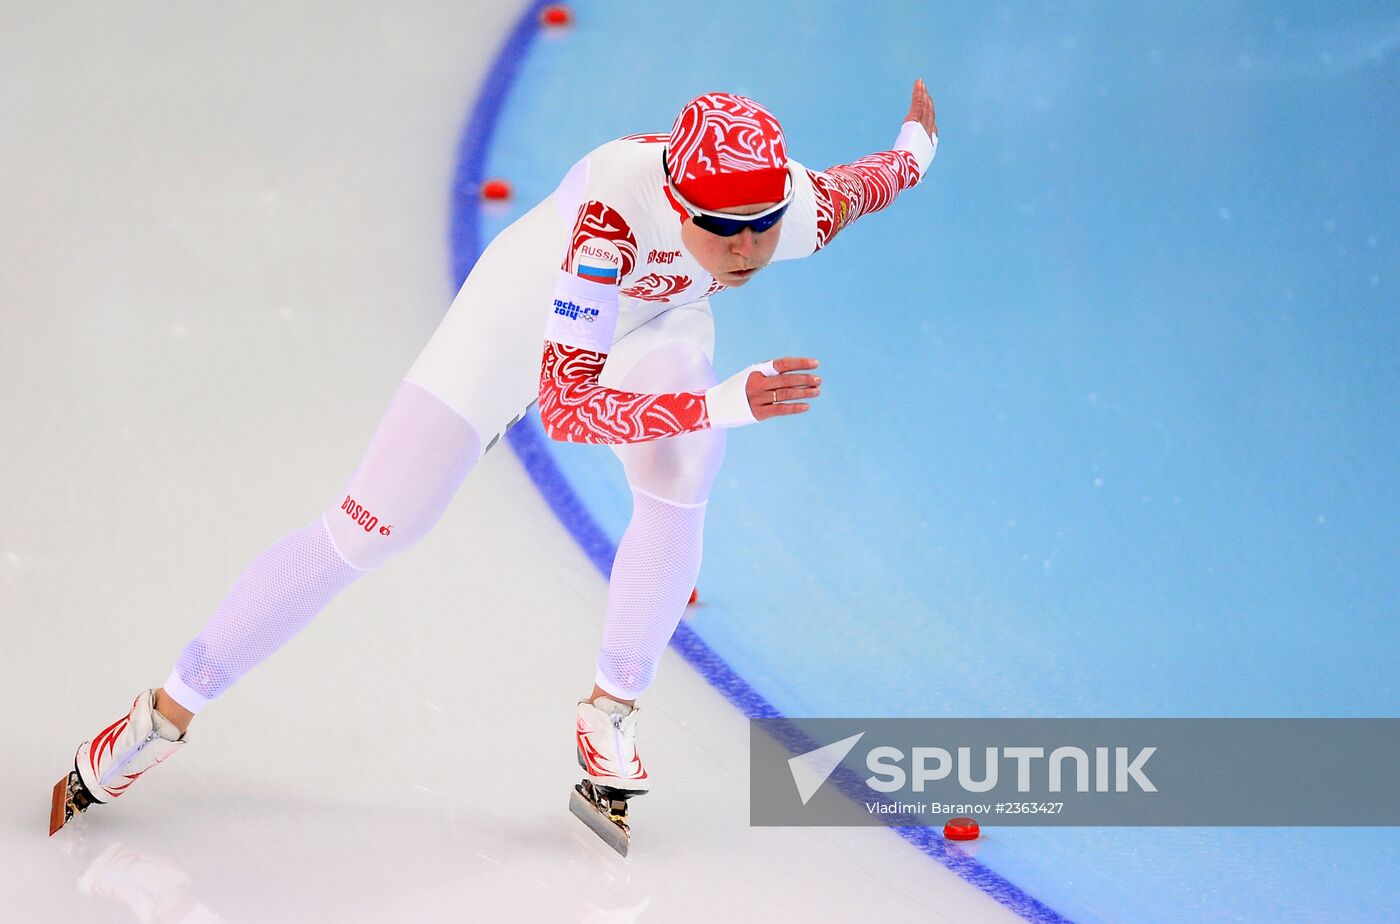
(223, 245)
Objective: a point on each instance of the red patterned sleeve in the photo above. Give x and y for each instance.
(848, 191)
(573, 405)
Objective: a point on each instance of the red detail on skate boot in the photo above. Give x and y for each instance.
(598, 766)
(593, 760)
(103, 745)
(101, 756)
(115, 791)
(694, 597)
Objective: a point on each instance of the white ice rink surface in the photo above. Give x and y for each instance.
(223, 241)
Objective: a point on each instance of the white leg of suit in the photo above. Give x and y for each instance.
(658, 558)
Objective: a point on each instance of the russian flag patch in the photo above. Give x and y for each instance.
(597, 260)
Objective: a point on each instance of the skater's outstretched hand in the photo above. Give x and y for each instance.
(921, 108)
(788, 392)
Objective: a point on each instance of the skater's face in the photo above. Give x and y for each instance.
(735, 259)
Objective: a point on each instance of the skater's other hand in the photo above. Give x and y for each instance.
(785, 393)
(921, 108)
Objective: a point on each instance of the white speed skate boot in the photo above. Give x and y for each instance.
(606, 739)
(107, 764)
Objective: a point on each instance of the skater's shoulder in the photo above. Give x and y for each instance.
(623, 179)
(628, 162)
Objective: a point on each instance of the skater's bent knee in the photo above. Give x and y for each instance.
(420, 452)
(680, 469)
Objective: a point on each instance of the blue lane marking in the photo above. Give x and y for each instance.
(465, 234)
(526, 439)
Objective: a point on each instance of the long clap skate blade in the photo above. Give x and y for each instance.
(615, 835)
(70, 797)
(60, 811)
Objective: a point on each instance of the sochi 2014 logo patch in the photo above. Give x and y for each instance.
(574, 311)
(597, 260)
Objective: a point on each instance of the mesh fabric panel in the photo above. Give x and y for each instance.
(657, 563)
(274, 599)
